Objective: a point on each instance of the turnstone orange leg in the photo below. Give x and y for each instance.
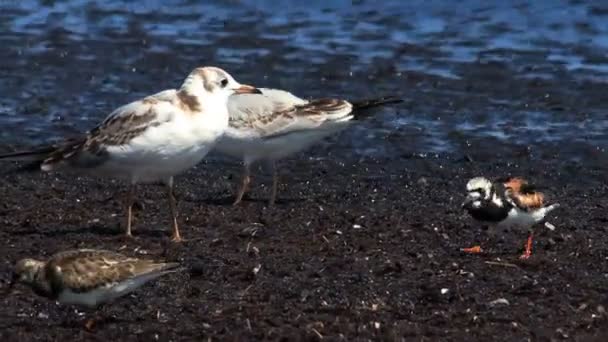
(473, 250)
(245, 180)
(528, 251)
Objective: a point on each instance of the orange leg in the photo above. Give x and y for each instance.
(245, 180)
(528, 252)
(472, 250)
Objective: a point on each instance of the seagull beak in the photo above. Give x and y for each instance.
(247, 89)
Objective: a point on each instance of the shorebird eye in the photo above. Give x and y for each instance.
(224, 82)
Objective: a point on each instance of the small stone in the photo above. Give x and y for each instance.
(257, 269)
(499, 301)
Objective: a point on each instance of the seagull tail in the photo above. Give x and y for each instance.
(32, 155)
(360, 108)
(33, 159)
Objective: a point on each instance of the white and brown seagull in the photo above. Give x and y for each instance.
(152, 139)
(506, 203)
(275, 124)
(87, 277)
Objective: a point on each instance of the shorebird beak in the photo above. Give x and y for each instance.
(247, 89)
(467, 202)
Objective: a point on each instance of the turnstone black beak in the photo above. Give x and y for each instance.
(467, 202)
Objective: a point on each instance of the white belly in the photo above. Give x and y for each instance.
(104, 294)
(251, 149)
(518, 219)
(162, 152)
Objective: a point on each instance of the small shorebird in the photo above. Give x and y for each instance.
(151, 139)
(506, 203)
(276, 123)
(87, 277)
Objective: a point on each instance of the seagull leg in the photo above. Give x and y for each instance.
(245, 179)
(129, 204)
(528, 251)
(275, 183)
(175, 237)
(472, 250)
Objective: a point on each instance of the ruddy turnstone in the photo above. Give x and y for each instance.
(151, 139)
(507, 203)
(87, 277)
(276, 123)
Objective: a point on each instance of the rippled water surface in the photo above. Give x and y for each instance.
(520, 73)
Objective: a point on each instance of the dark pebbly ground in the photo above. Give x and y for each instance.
(353, 251)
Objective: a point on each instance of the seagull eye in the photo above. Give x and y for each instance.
(224, 82)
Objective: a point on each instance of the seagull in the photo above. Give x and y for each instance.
(276, 124)
(505, 203)
(87, 277)
(149, 140)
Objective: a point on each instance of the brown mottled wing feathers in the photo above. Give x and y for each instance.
(320, 106)
(118, 128)
(84, 270)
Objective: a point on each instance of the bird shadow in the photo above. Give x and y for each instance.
(229, 200)
(98, 230)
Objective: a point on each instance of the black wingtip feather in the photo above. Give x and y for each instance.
(360, 107)
(28, 155)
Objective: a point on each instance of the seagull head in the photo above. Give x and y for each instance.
(215, 82)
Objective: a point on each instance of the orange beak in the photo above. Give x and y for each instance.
(247, 89)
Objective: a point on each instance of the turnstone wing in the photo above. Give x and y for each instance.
(276, 124)
(511, 202)
(151, 139)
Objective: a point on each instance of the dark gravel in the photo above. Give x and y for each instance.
(365, 250)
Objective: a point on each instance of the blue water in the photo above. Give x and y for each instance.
(67, 64)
